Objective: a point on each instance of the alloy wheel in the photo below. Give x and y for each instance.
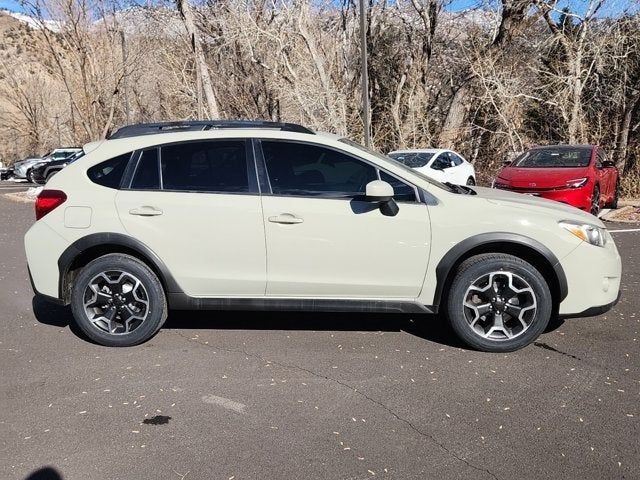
(500, 305)
(116, 302)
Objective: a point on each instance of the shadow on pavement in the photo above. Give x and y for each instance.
(45, 473)
(429, 327)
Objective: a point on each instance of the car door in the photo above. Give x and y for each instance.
(457, 173)
(324, 240)
(441, 168)
(197, 206)
(607, 177)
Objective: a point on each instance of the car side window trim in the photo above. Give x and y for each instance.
(266, 183)
(127, 177)
(252, 173)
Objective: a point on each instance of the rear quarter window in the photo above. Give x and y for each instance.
(110, 172)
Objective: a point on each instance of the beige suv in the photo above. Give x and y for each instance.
(260, 215)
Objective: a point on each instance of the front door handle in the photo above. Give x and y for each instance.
(286, 219)
(145, 211)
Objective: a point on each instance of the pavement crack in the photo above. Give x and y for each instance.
(380, 404)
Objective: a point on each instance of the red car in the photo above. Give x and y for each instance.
(579, 175)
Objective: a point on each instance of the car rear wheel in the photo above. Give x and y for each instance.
(498, 303)
(595, 201)
(471, 181)
(117, 301)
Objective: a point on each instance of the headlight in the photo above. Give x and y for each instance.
(577, 183)
(589, 233)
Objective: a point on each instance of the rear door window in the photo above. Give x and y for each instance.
(147, 174)
(208, 166)
(455, 159)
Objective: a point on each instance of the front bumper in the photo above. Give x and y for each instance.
(593, 277)
(20, 172)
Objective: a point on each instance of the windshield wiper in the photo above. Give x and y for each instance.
(462, 189)
(455, 188)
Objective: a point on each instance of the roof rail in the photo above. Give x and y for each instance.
(200, 125)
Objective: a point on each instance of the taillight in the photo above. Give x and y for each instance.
(47, 201)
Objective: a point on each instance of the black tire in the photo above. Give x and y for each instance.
(616, 196)
(471, 181)
(29, 176)
(595, 201)
(493, 267)
(149, 289)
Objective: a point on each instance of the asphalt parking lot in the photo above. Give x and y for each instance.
(237, 395)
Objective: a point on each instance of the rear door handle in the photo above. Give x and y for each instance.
(145, 211)
(286, 219)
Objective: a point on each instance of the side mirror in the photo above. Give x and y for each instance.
(608, 164)
(382, 193)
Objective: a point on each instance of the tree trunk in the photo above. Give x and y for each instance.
(452, 128)
(623, 134)
(395, 110)
(196, 46)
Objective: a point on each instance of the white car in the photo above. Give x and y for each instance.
(259, 215)
(446, 166)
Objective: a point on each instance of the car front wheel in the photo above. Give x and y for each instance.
(498, 303)
(118, 301)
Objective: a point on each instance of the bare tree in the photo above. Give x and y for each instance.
(204, 78)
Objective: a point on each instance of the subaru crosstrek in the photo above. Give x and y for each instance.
(259, 215)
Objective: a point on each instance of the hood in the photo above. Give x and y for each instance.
(28, 161)
(529, 202)
(541, 178)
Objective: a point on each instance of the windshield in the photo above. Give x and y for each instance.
(396, 163)
(412, 159)
(554, 158)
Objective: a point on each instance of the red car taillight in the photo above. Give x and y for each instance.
(47, 201)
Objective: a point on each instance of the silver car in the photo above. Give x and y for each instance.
(24, 168)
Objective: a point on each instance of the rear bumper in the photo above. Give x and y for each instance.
(43, 247)
(48, 298)
(576, 197)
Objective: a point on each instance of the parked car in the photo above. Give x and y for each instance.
(21, 167)
(439, 164)
(24, 168)
(5, 172)
(42, 172)
(262, 215)
(578, 175)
